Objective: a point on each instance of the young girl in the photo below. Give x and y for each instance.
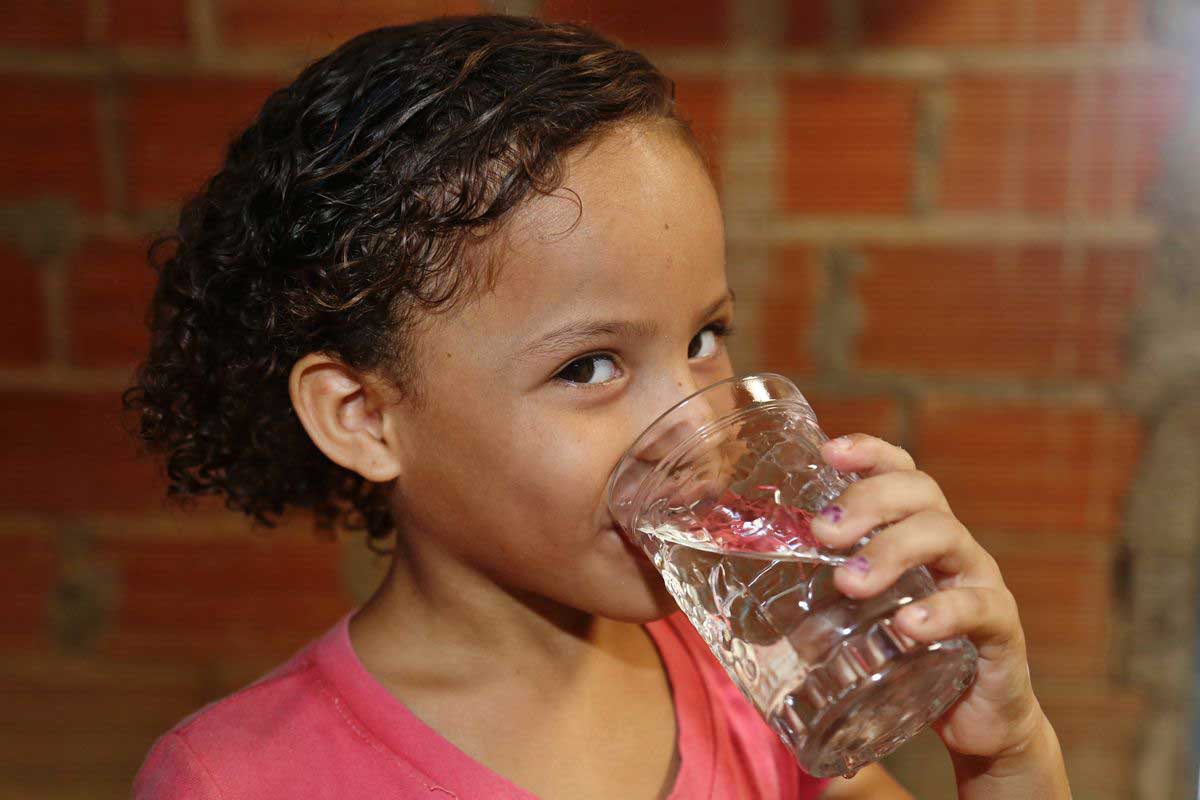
(438, 287)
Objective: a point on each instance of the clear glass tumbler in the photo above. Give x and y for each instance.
(718, 492)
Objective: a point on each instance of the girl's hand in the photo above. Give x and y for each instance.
(997, 724)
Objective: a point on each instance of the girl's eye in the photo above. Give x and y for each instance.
(716, 332)
(584, 370)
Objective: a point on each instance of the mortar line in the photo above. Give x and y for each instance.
(96, 22)
(529, 8)
(1017, 106)
(63, 377)
(1105, 270)
(992, 228)
(1079, 190)
(749, 155)
(1012, 182)
(846, 24)
(929, 146)
(204, 34)
(206, 52)
(54, 298)
(109, 141)
(1123, 181)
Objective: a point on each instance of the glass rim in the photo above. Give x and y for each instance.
(618, 469)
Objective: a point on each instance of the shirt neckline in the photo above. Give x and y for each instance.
(442, 764)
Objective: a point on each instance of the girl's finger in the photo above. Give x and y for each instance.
(929, 537)
(875, 501)
(988, 615)
(866, 455)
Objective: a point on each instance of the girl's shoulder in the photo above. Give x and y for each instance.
(235, 735)
(288, 734)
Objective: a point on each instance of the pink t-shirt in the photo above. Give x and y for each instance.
(321, 726)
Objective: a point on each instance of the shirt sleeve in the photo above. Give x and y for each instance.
(172, 771)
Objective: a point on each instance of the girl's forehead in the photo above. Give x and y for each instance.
(634, 230)
(625, 211)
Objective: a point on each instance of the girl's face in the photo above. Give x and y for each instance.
(505, 468)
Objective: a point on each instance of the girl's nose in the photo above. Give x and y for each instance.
(668, 431)
(679, 418)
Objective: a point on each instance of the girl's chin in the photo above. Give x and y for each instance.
(640, 609)
(642, 596)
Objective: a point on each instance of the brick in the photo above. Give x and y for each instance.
(60, 23)
(23, 310)
(50, 142)
(1049, 659)
(842, 414)
(67, 452)
(109, 288)
(649, 23)
(984, 23)
(1029, 468)
(1098, 728)
(178, 131)
(993, 310)
(259, 596)
(1066, 647)
(847, 145)
(808, 25)
(317, 27)
(1145, 107)
(787, 310)
(144, 23)
(28, 573)
(72, 720)
(1011, 141)
(704, 103)
(1064, 598)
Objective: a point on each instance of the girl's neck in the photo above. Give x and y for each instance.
(434, 613)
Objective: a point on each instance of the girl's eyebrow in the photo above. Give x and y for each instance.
(581, 332)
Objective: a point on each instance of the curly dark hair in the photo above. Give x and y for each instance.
(347, 207)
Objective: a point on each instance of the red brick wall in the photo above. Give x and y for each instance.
(943, 241)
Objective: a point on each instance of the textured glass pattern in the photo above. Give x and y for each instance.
(724, 518)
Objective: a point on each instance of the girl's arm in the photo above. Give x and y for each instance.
(871, 783)
(1036, 771)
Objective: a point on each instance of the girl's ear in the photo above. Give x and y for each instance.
(342, 411)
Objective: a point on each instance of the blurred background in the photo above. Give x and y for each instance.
(967, 226)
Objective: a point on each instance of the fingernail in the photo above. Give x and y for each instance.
(832, 513)
(841, 443)
(914, 615)
(859, 564)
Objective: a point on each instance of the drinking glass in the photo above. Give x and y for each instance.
(718, 492)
